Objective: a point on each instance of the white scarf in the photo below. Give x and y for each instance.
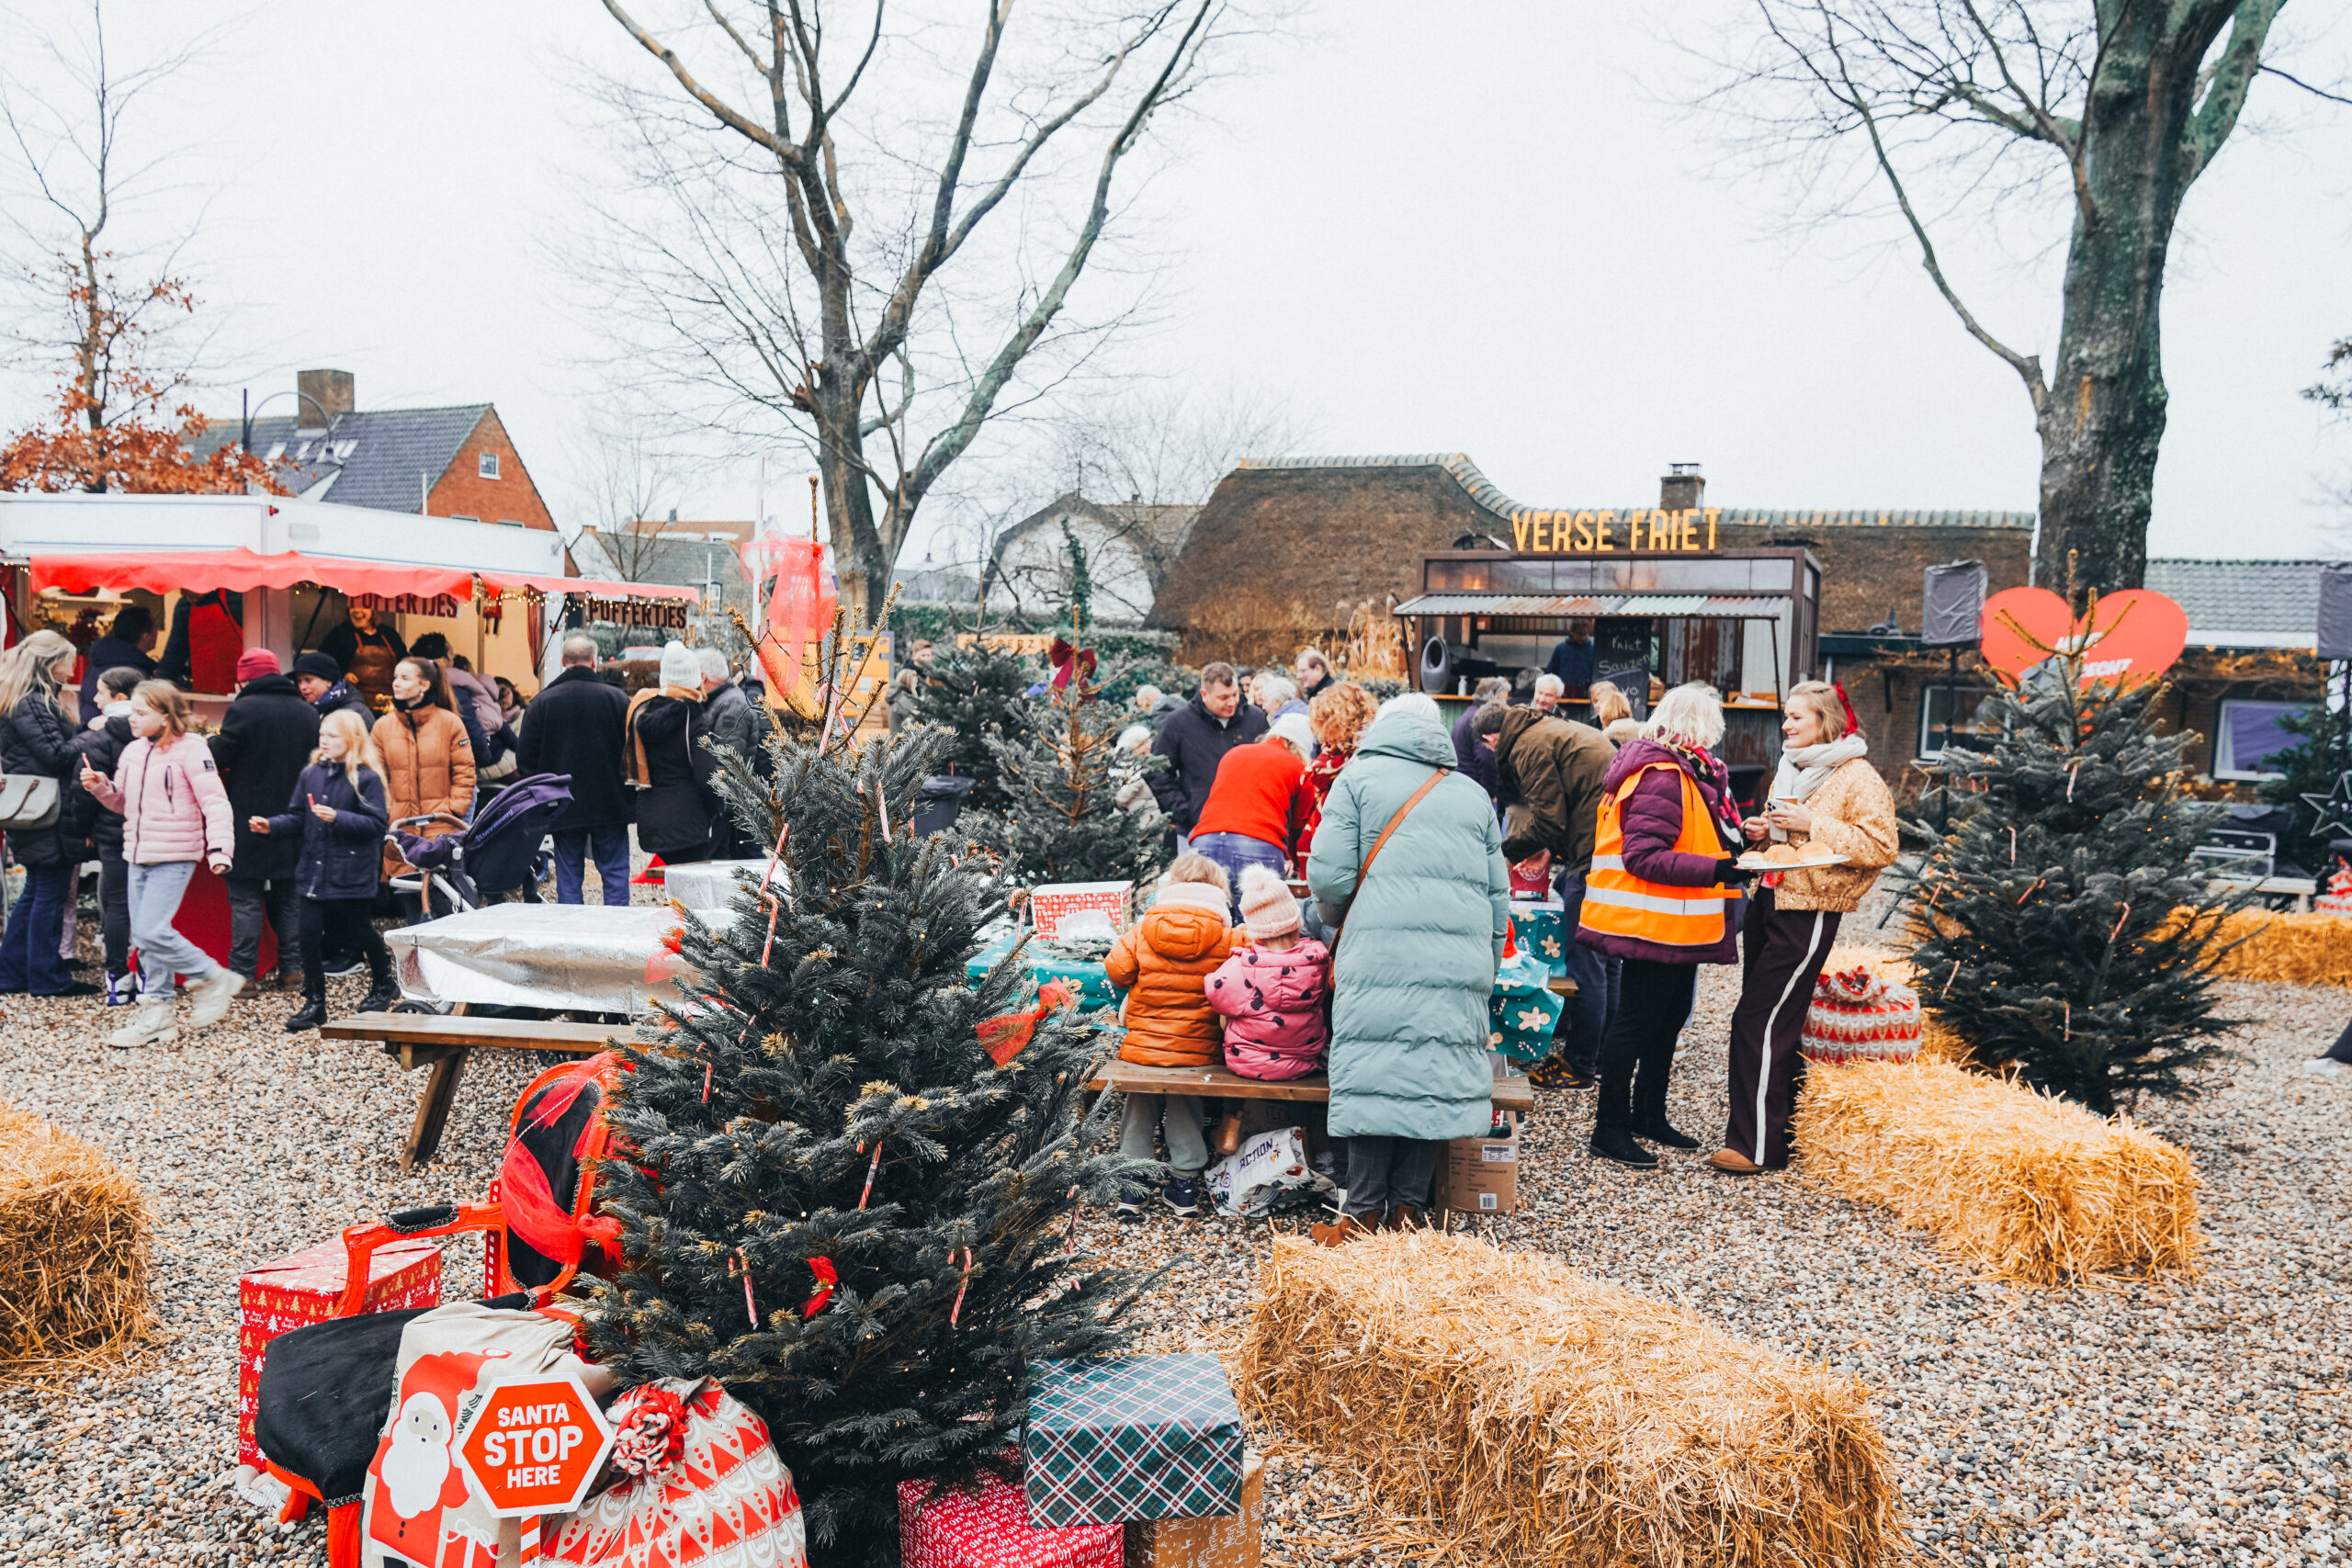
(1805, 768)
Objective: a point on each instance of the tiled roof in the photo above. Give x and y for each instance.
(2252, 603)
(683, 563)
(1487, 494)
(374, 458)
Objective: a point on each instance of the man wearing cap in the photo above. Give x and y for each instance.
(320, 680)
(266, 741)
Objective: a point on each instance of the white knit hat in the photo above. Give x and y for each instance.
(681, 667)
(1294, 728)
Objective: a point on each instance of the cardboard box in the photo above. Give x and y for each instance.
(1226, 1540)
(304, 1289)
(1080, 909)
(1480, 1176)
(947, 1527)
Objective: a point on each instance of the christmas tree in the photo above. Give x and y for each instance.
(971, 693)
(1063, 821)
(2061, 925)
(834, 1200)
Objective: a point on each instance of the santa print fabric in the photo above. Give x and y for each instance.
(950, 1527)
(721, 1498)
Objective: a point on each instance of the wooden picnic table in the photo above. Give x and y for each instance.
(443, 1041)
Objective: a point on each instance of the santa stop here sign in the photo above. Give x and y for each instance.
(534, 1444)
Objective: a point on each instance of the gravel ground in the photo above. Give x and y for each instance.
(2198, 1421)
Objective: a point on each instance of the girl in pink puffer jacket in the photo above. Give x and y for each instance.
(175, 813)
(1272, 993)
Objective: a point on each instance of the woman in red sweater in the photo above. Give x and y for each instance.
(1258, 805)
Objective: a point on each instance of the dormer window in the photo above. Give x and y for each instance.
(488, 465)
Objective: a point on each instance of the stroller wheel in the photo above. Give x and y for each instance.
(415, 1006)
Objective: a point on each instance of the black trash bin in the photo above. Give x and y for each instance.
(943, 802)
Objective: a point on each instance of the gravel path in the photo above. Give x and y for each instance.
(2200, 1421)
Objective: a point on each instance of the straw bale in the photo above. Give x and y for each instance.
(2286, 949)
(2030, 1186)
(73, 1245)
(1510, 1411)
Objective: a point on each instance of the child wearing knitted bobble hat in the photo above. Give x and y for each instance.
(1272, 992)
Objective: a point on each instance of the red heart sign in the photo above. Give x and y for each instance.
(2131, 636)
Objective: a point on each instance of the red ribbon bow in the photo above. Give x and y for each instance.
(1853, 724)
(654, 1434)
(1003, 1036)
(1067, 660)
(827, 1278)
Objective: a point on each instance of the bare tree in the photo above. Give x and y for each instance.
(630, 480)
(864, 239)
(1954, 111)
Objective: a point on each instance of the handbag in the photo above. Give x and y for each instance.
(1365, 871)
(28, 801)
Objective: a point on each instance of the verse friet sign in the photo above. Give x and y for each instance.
(1691, 528)
(532, 1446)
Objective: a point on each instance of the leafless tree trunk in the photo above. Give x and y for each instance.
(630, 480)
(829, 256)
(1953, 108)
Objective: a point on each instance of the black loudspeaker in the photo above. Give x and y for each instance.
(2335, 610)
(1952, 605)
(1437, 666)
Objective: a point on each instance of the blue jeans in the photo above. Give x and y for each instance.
(1598, 979)
(29, 960)
(1233, 851)
(610, 844)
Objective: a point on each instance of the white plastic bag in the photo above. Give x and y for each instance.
(1245, 1181)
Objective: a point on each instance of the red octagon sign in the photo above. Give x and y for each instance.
(533, 1446)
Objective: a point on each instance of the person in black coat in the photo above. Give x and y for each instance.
(101, 744)
(335, 823)
(37, 738)
(575, 726)
(728, 716)
(266, 741)
(127, 644)
(669, 762)
(320, 680)
(1195, 740)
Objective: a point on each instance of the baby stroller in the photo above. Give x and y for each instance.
(499, 851)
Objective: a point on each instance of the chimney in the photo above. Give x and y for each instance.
(1682, 489)
(319, 395)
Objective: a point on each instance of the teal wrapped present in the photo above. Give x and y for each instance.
(1540, 927)
(1112, 1439)
(1085, 976)
(1523, 1009)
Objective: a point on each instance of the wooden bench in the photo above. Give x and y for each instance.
(1214, 1083)
(444, 1041)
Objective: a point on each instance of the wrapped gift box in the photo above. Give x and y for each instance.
(948, 1527)
(1523, 1009)
(1087, 979)
(1118, 1437)
(304, 1289)
(1538, 925)
(1080, 909)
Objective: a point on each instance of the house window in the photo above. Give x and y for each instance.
(510, 523)
(455, 518)
(2247, 736)
(487, 466)
(1973, 725)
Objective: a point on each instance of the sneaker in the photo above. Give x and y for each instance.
(1660, 1130)
(2325, 1067)
(122, 991)
(1616, 1143)
(151, 1025)
(1183, 1195)
(209, 997)
(1554, 1072)
(1130, 1209)
(354, 964)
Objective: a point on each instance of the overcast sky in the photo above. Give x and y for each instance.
(1474, 227)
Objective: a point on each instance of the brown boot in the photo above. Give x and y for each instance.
(1403, 1217)
(1731, 1162)
(1229, 1134)
(1348, 1228)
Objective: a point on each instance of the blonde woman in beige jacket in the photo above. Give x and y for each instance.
(1825, 796)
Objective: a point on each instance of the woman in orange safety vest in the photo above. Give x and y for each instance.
(1664, 896)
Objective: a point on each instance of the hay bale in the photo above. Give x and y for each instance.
(1510, 1411)
(73, 1245)
(2290, 950)
(2032, 1187)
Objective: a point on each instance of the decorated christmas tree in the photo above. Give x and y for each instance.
(835, 1199)
(1063, 821)
(2061, 925)
(971, 693)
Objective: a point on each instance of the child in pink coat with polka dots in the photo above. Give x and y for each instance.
(1274, 993)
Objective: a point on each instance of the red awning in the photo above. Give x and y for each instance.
(161, 572)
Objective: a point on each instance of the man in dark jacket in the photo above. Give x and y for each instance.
(1469, 757)
(1551, 769)
(1572, 660)
(1195, 740)
(127, 642)
(574, 726)
(726, 712)
(1314, 676)
(320, 681)
(266, 741)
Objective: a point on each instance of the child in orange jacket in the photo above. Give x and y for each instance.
(1162, 962)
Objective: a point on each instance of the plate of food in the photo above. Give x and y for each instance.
(1788, 857)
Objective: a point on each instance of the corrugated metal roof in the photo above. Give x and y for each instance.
(2244, 604)
(374, 458)
(1719, 606)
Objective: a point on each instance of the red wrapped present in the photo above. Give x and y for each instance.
(274, 1297)
(1857, 1017)
(1080, 909)
(949, 1526)
(2338, 899)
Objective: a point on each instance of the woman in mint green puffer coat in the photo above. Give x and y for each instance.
(1415, 966)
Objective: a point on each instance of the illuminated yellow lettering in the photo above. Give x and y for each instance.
(1602, 531)
(1691, 529)
(1713, 512)
(1518, 522)
(1583, 521)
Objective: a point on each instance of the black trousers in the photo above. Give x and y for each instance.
(1783, 951)
(114, 912)
(1637, 1051)
(341, 925)
(249, 899)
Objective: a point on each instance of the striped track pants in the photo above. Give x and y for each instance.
(1784, 952)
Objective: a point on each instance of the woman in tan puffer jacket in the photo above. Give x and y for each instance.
(428, 763)
(1826, 796)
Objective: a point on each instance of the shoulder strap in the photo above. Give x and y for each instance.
(1365, 871)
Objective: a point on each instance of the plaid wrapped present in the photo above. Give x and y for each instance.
(1086, 978)
(1118, 1437)
(1537, 922)
(1522, 1011)
(948, 1527)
